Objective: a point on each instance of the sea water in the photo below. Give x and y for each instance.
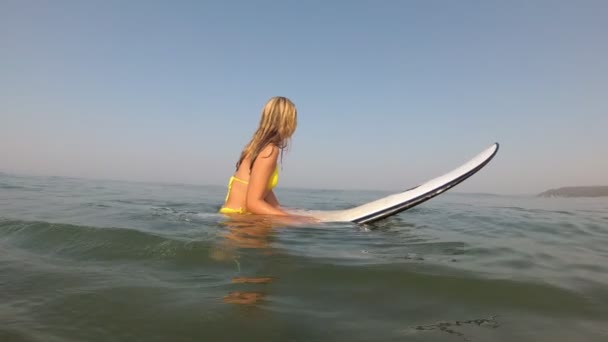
(89, 260)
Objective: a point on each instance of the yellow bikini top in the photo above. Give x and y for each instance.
(274, 179)
(272, 182)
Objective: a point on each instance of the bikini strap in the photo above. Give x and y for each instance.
(238, 180)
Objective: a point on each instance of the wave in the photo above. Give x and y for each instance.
(210, 255)
(5, 186)
(102, 244)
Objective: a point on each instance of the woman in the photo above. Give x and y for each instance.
(250, 189)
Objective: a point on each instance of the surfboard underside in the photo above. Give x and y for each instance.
(393, 204)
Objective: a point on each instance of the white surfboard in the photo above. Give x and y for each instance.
(396, 203)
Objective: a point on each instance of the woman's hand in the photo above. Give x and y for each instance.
(296, 220)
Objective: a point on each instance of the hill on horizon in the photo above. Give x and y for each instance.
(577, 191)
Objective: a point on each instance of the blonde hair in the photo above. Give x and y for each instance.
(277, 125)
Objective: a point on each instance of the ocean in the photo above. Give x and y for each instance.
(95, 260)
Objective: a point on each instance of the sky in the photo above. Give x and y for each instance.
(389, 93)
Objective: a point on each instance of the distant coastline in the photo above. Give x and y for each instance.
(577, 191)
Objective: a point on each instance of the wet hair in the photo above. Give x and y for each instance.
(277, 125)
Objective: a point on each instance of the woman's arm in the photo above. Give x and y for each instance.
(257, 191)
(272, 199)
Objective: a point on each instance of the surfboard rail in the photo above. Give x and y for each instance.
(396, 203)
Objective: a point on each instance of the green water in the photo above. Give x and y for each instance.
(84, 260)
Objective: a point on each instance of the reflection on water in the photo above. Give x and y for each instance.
(246, 232)
(252, 280)
(244, 298)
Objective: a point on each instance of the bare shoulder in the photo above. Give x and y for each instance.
(267, 158)
(271, 151)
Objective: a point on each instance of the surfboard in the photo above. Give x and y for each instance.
(393, 204)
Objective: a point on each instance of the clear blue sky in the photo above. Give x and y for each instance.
(389, 93)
